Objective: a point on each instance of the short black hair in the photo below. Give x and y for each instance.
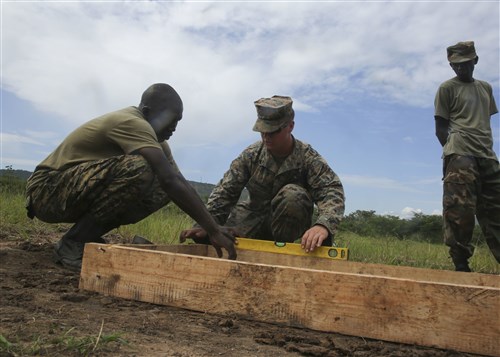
(161, 94)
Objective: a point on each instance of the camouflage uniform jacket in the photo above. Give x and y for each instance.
(258, 171)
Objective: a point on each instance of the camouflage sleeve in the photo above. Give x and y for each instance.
(226, 193)
(326, 190)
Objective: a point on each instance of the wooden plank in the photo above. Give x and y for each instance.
(444, 315)
(403, 272)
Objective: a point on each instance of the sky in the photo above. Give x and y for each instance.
(362, 75)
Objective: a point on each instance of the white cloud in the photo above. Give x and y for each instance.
(377, 183)
(8, 139)
(17, 163)
(79, 60)
(409, 212)
(15, 145)
(437, 212)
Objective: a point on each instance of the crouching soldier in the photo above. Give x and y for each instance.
(113, 170)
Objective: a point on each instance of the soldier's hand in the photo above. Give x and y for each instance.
(233, 231)
(313, 238)
(224, 238)
(198, 235)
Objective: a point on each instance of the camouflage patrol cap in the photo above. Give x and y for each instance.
(272, 113)
(461, 52)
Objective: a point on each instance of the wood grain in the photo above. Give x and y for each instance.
(371, 301)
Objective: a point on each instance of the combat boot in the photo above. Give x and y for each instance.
(69, 253)
(461, 264)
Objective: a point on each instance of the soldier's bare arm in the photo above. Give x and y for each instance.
(442, 126)
(186, 198)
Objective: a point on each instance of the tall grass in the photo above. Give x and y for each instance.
(393, 251)
(162, 227)
(14, 223)
(165, 225)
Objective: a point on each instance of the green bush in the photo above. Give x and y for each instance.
(421, 227)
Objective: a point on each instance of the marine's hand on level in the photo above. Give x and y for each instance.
(313, 238)
(224, 237)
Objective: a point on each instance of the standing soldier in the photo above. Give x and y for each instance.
(463, 108)
(285, 178)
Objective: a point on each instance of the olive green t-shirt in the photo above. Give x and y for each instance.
(468, 107)
(113, 134)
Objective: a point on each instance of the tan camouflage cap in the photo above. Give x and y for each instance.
(461, 52)
(272, 113)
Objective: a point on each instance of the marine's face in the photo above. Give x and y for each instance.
(464, 70)
(277, 140)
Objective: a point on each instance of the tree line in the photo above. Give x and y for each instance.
(421, 227)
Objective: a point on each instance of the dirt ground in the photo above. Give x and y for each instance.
(42, 311)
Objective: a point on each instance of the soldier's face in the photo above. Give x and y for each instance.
(464, 70)
(164, 123)
(277, 140)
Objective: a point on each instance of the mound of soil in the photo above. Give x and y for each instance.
(42, 311)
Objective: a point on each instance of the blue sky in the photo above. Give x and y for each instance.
(362, 74)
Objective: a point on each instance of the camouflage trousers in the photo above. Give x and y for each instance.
(284, 219)
(97, 196)
(471, 190)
